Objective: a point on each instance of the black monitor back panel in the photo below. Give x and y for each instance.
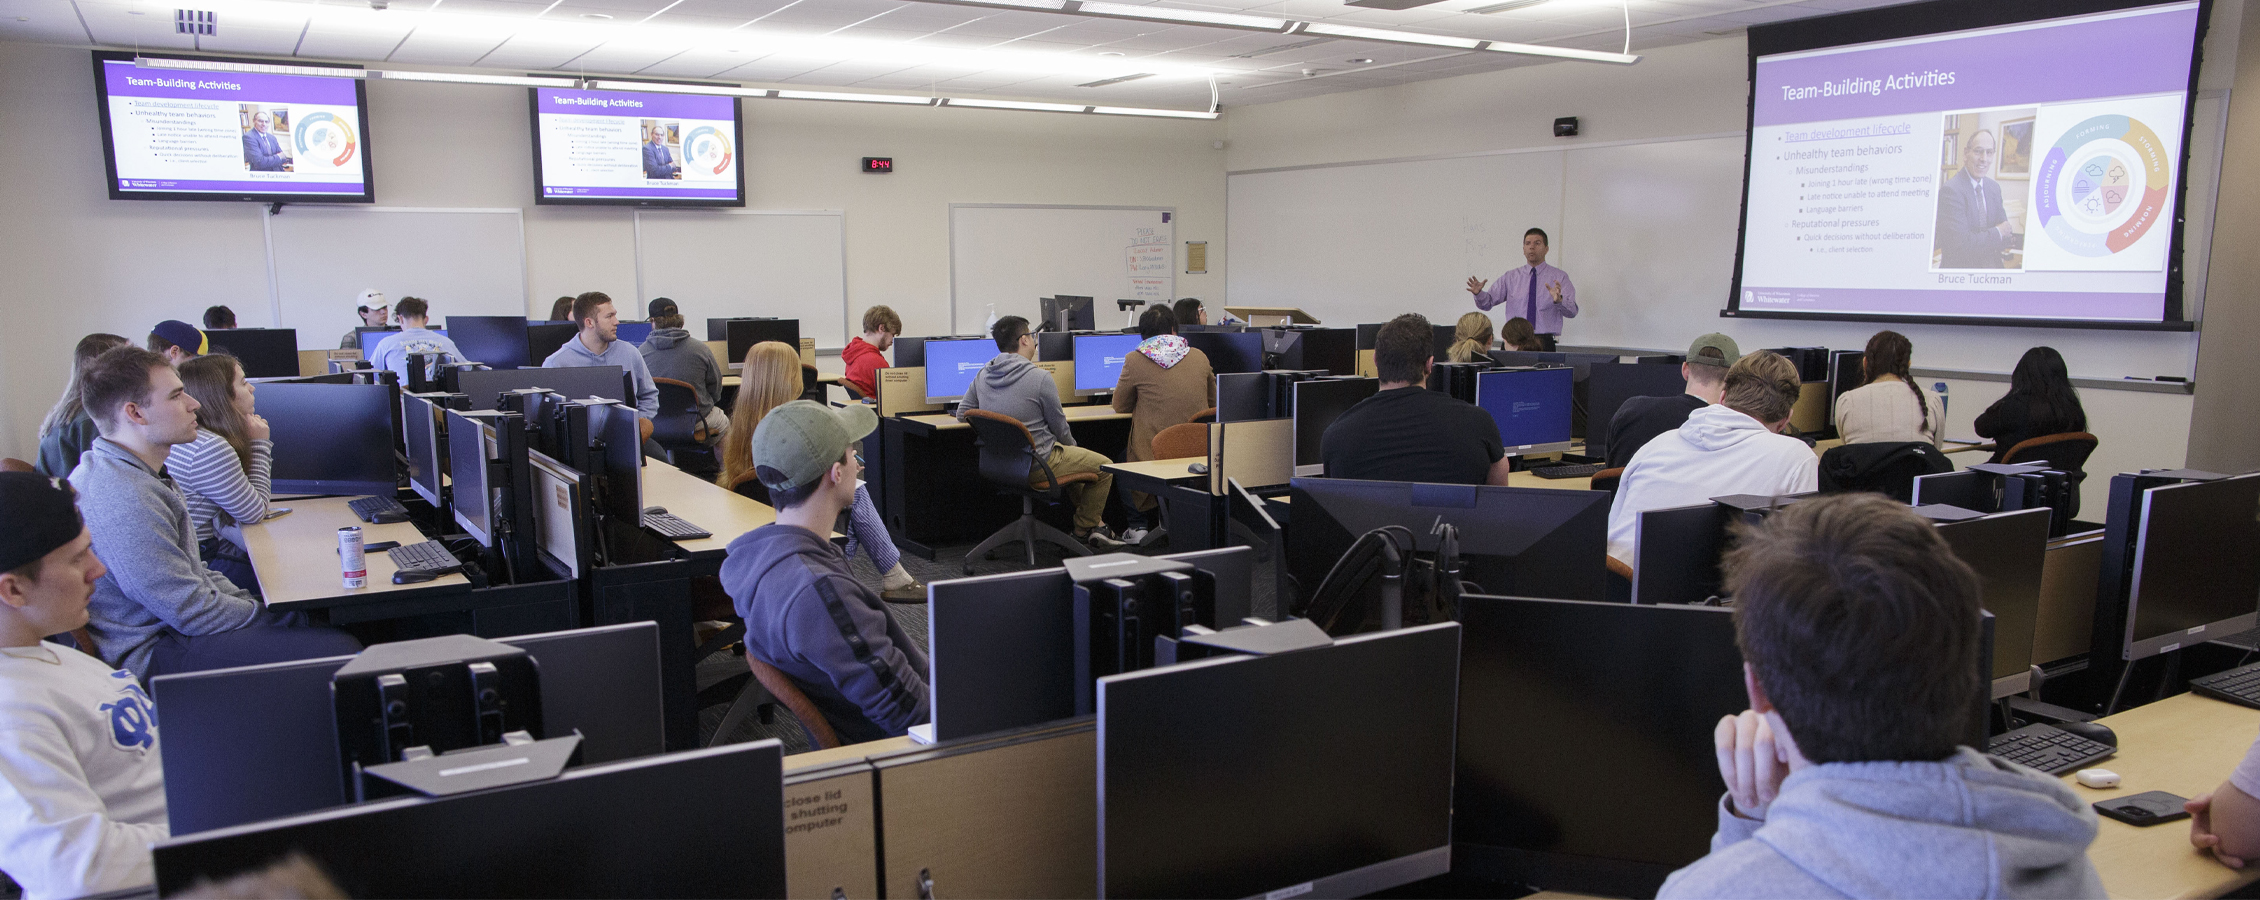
(1229, 351)
(498, 341)
(263, 352)
(1529, 541)
(485, 387)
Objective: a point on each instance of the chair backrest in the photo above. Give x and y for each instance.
(2067, 452)
(751, 488)
(1206, 415)
(1606, 479)
(12, 464)
(780, 685)
(676, 396)
(1008, 451)
(1178, 441)
(810, 388)
(1887, 468)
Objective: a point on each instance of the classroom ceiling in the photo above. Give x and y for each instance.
(908, 46)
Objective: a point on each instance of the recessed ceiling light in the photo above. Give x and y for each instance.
(1362, 60)
(1110, 53)
(596, 15)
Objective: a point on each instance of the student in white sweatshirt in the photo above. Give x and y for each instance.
(1730, 447)
(82, 789)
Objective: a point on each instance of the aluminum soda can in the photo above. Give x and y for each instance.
(350, 557)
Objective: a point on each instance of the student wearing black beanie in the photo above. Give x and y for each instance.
(87, 785)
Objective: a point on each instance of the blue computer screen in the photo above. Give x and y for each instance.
(1099, 357)
(1531, 407)
(951, 365)
(370, 340)
(634, 332)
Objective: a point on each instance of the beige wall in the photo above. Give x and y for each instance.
(80, 262)
(2224, 432)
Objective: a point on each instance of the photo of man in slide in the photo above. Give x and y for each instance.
(262, 150)
(658, 161)
(1974, 229)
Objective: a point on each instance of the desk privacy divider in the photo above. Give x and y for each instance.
(904, 391)
(1258, 453)
(831, 830)
(1015, 815)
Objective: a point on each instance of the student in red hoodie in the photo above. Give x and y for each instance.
(863, 355)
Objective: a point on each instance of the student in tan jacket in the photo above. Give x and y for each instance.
(1166, 382)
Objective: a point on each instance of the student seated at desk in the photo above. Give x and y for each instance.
(1732, 447)
(804, 613)
(1189, 311)
(599, 344)
(226, 473)
(1860, 635)
(374, 314)
(84, 789)
(68, 430)
(1471, 339)
(1406, 432)
(1012, 385)
(415, 336)
(772, 379)
(1640, 419)
(670, 353)
(866, 354)
(177, 341)
(159, 609)
(1890, 407)
(2040, 402)
(1166, 382)
(1518, 335)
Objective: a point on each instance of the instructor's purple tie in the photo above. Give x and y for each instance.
(1532, 315)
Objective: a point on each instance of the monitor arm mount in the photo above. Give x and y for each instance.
(1380, 549)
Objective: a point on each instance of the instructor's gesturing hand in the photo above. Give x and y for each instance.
(1475, 285)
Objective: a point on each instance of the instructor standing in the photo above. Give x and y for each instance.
(1537, 292)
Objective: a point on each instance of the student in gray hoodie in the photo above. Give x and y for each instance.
(669, 352)
(159, 610)
(1859, 633)
(1012, 384)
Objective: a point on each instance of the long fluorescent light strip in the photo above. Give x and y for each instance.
(453, 78)
(1562, 52)
(1289, 26)
(1189, 16)
(204, 65)
(1017, 104)
(710, 90)
(1394, 37)
(856, 98)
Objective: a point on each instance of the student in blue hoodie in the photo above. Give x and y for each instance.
(1859, 633)
(804, 612)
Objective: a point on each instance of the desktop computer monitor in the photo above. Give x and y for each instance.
(362, 336)
(620, 458)
(1530, 406)
(1065, 313)
(332, 438)
(1099, 359)
(1847, 369)
(1055, 345)
(1533, 542)
(613, 830)
(1624, 788)
(1331, 349)
(952, 364)
(263, 352)
(485, 387)
(1243, 776)
(636, 332)
(371, 337)
(543, 340)
(1676, 552)
(2007, 551)
(1243, 397)
(2178, 564)
(470, 458)
(244, 762)
(742, 334)
(1002, 647)
(498, 341)
(1318, 402)
(1608, 386)
(563, 526)
(427, 455)
(1228, 351)
(1446, 336)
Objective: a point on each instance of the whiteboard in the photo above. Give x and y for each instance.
(1647, 231)
(718, 263)
(465, 262)
(1011, 255)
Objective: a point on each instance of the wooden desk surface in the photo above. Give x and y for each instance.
(2185, 745)
(848, 752)
(705, 504)
(1528, 480)
(1160, 469)
(296, 555)
(1075, 414)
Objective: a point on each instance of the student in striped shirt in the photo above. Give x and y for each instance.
(225, 474)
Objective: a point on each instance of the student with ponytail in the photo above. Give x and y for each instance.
(1471, 339)
(1890, 407)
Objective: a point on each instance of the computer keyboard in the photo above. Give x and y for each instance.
(370, 509)
(428, 556)
(2238, 685)
(673, 528)
(1567, 471)
(2048, 748)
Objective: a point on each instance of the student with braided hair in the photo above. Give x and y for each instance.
(1890, 407)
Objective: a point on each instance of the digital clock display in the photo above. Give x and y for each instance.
(878, 164)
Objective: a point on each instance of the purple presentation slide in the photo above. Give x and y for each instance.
(2025, 171)
(624, 146)
(183, 132)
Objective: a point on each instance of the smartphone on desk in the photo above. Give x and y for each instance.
(2144, 809)
(276, 512)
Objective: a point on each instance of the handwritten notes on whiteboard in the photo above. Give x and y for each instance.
(1149, 258)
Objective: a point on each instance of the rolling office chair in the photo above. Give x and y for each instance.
(2066, 453)
(765, 687)
(1205, 416)
(1008, 458)
(1606, 480)
(1177, 441)
(12, 464)
(810, 388)
(680, 431)
(1884, 467)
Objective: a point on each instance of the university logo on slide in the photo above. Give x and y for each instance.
(323, 134)
(708, 149)
(2103, 185)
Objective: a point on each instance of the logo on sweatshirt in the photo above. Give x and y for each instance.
(133, 719)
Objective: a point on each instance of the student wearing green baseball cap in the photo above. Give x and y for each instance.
(804, 611)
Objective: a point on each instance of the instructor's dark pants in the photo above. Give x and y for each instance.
(1547, 343)
(273, 637)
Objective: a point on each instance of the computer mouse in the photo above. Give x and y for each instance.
(2094, 731)
(1198, 468)
(388, 517)
(413, 576)
(655, 510)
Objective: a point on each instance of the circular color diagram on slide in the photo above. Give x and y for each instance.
(708, 149)
(2103, 186)
(322, 134)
